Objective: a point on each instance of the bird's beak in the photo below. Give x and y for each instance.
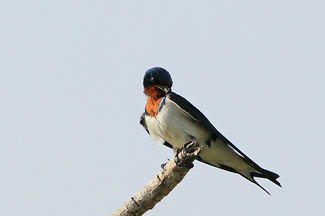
(163, 88)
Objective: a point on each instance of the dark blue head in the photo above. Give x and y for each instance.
(159, 78)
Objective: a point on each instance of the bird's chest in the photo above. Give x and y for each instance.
(169, 124)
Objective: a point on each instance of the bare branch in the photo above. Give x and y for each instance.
(161, 185)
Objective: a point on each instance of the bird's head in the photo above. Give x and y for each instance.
(157, 82)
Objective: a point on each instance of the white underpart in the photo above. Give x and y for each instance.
(176, 127)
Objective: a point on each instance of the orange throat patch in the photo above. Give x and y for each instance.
(153, 100)
(152, 105)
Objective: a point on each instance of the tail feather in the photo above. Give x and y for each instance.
(255, 182)
(250, 173)
(265, 174)
(268, 175)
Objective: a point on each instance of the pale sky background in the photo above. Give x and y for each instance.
(71, 97)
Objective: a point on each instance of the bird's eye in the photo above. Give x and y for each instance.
(152, 79)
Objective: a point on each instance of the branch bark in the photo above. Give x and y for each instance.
(162, 184)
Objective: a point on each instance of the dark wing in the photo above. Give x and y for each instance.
(143, 122)
(191, 110)
(199, 117)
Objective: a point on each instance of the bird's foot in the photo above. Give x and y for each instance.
(190, 146)
(187, 154)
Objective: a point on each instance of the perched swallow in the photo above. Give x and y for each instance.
(173, 121)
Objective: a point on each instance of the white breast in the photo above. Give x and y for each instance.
(173, 125)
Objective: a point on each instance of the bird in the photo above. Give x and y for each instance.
(171, 120)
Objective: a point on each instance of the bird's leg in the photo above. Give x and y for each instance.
(191, 145)
(189, 148)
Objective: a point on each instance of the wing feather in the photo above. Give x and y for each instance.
(197, 116)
